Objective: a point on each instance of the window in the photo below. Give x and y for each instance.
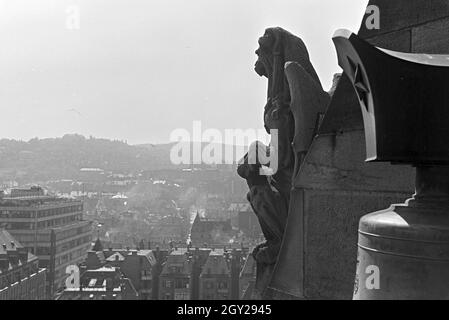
(147, 284)
(43, 251)
(182, 296)
(179, 284)
(208, 285)
(145, 273)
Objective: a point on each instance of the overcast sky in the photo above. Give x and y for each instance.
(137, 69)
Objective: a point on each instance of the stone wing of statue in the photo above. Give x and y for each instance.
(308, 103)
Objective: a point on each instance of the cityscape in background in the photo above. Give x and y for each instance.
(144, 230)
(285, 163)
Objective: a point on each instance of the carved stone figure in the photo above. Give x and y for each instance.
(269, 195)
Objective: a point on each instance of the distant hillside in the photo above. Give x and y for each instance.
(56, 158)
(62, 158)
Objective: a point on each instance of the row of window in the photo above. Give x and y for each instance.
(40, 213)
(178, 283)
(40, 225)
(145, 273)
(16, 275)
(73, 243)
(41, 251)
(175, 269)
(211, 284)
(32, 288)
(210, 296)
(178, 296)
(73, 232)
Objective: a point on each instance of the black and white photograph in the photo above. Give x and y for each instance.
(224, 154)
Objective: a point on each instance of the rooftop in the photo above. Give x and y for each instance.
(12, 253)
(115, 257)
(215, 264)
(35, 201)
(8, 242)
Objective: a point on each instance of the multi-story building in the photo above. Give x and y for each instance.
(215, 278)
(138, 266)
(141, 267)
(201, 273)
(105, 283)
(33, 191)
(20, 275)
(175, 278)
(51, 228)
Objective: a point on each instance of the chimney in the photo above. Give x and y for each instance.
(4, 262)
(109, 284)
(83, 268)
(13, 256)
(23, 254)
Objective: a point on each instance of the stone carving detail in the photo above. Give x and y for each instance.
(308, 105)
(294, 113)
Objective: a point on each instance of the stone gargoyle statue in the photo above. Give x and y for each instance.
(295, 101)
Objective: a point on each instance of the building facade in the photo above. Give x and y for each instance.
(175, 279)
(141, 267)
(20, 275)
(215, 278)
(201, 274)
(51, 228)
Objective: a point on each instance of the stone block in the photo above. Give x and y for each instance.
(431, 37)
